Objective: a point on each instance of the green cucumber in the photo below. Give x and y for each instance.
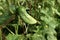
(25, 16)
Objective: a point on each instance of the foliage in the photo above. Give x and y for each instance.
(45, 12)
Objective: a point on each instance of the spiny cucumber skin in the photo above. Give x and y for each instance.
(25, 16)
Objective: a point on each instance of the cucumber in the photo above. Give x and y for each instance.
(25, 16)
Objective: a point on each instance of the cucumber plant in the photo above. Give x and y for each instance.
(29, 19)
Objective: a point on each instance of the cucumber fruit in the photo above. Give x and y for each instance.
(25, 16)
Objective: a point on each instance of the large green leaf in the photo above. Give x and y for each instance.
(12, 37)
(51, 37)
(38, 37)
(15, 37)
(4, 17)
(50, 21)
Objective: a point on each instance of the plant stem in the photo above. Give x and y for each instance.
(0, 33)
(16, 29)
(9, 30)
(26, 29)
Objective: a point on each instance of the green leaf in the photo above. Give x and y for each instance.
(50, 21)
(12, 37)
(38, 37)
(4, 17)
(15, 37)
(51, 37)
